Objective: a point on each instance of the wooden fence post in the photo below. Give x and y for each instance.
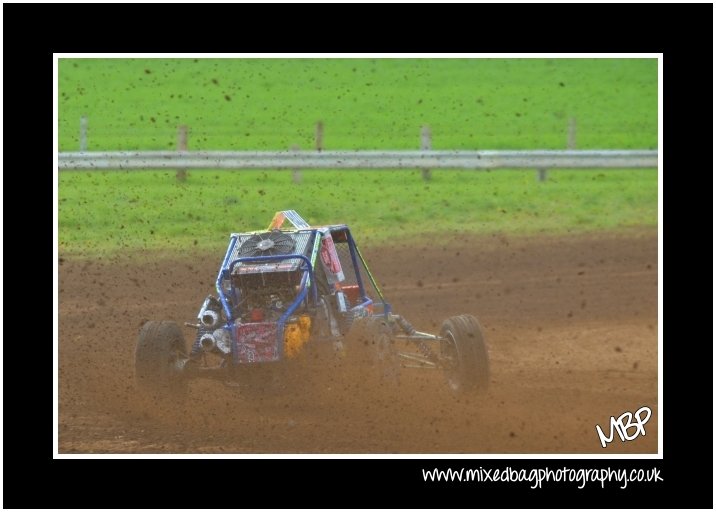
(296, 173)
(83, 133)
(319, 136)
(182, 145)
(571, 144)
(572, 134)
(426, 143)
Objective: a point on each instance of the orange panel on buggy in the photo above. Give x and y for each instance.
(352, 292)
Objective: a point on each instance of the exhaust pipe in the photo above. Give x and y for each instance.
(209, 318)
(207, 342)
(209, 312)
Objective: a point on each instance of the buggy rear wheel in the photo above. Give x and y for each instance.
(159, 360)
(370, 344)
(464, 351)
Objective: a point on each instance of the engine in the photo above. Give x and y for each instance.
(265, 296)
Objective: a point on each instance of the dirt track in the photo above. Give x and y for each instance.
(571, 323)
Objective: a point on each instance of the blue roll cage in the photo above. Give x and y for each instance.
(307, 266)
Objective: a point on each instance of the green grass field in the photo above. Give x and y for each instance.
(268, 104)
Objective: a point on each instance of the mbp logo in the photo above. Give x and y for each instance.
(623, 424)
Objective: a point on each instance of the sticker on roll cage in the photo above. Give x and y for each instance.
(330, 260)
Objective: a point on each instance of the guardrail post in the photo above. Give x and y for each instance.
(83, 133)
(426, 143)
(572, 134)
(296, 173)
(541, 174)
(319, 136)
(182, 145)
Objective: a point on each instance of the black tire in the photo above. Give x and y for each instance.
(370, 344)
(161, 350)
(465, 353)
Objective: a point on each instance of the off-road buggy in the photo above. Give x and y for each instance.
(287, 290)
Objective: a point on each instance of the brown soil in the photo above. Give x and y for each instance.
(571, 324)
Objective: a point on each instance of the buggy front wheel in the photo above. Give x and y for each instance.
(464, 353)
(371, 345)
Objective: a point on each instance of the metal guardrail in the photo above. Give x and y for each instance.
(409, 159)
